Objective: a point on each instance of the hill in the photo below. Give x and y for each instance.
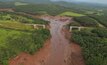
(72, 14)
(29, 1)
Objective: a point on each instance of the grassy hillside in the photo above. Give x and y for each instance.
(41, 8)
(18, 22)
(12, 16)
(102, 19)
(53, 8)
(71, 14)
(86, 21)
(20, 3)
(14, 42)
(16, 37)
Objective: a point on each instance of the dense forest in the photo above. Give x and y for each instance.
(101, 19)
(93, 38)
(94, 45)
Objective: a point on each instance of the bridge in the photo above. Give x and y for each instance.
(78, 27)
(37, 26)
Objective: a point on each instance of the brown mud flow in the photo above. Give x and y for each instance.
(37, 59)
(60, 47)
(62, 51)
(58, 51)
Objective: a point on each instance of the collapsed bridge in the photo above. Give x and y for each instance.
(76, 27)
(37, 26)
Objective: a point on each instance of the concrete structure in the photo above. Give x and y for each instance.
(37, 26)
(78, 27)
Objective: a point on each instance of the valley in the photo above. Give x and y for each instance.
(59, 49)
(39, 33)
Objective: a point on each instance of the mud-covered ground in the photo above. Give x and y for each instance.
(56, 51)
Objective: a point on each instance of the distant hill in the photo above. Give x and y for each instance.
(30, 1)
(62, 3)
(78, 4)
(52, 6)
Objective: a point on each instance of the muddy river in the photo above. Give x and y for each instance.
(59, 44)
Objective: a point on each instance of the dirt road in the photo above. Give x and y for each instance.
(59, 51)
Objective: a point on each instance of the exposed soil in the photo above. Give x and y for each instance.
(36, 59)
(57, 51)
(76, 55)
(6, 10)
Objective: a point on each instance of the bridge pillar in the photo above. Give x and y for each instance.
(44, 26)
(79, 28)
(35, 26)
(70, 28)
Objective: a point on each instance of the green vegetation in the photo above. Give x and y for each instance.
(72, 14)
(16, 26)
(92, 39)
(15, 17)
(14, 42)
(101, 32)
(6, 5)
(101, 19)
(94, 45)
(18, 22)
(17, 37)
(86, 21)
(98, 12)
(20, 3)
(42, 9)
(73, 23)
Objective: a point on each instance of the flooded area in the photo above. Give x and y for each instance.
(57, 51)
(59, 44)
